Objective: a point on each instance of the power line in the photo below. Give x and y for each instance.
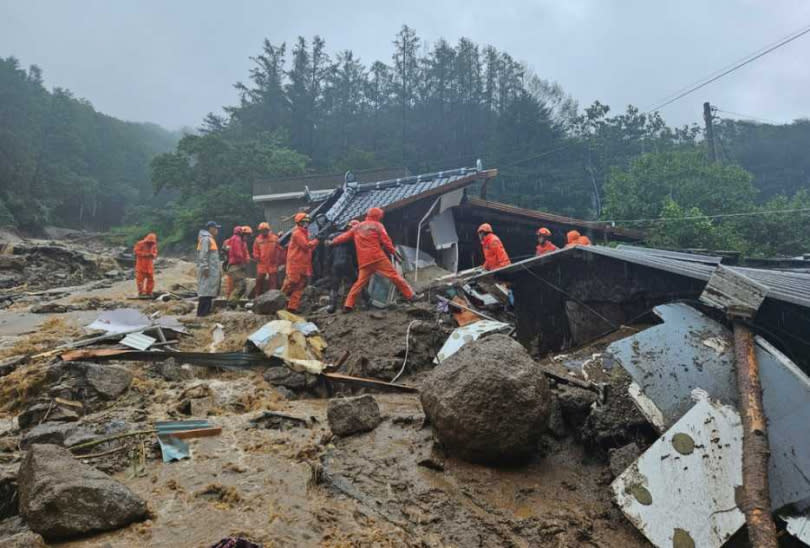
(736, 66)
(718, 216)
(749, 117)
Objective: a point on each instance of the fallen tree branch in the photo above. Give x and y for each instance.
(99, 441)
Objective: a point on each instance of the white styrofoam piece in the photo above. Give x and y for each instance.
(667, 493)
(468, 333)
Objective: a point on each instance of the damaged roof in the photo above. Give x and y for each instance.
(791, 287)
(569, 223)
(354, 199)
(296, 187)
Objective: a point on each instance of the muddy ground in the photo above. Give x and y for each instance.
(298, 485)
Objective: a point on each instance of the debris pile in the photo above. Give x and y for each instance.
(410, 424)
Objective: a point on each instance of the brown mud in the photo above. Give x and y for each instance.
(298, 485)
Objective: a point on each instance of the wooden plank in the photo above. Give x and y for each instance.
(195, 433)
(737, 294)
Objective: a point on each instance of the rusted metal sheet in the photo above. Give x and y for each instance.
(681, 491)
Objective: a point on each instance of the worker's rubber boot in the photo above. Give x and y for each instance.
(333, 297)
(347, 309)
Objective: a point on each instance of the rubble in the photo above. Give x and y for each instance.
(89, 381)
(61, 497)
(55, 433)
(622, 457)
(472, 397)
(270, 302)
(349, 416)
(8, 491)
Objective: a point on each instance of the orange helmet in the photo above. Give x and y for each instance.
(247, 230)
(263, 226)
(353, 223)
(543, 231)
(151, 237)
(375, 214)
(572, 236)
(237, 230)
(301, 218)
(486, 227)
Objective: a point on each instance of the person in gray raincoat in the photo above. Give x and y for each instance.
(209, 273)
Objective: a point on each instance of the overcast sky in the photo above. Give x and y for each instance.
(171, 62)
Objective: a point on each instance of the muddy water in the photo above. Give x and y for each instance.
(298, 487)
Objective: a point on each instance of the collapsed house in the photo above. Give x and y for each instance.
(437, 214)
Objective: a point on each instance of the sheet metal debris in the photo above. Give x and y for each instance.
(692, 351)
(681, 491)
(138, 341)
(172, 433)
(130, 320)
(468, 333)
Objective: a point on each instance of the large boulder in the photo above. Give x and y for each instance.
(61, 497)
(489, 402)
(349, 416)
(269, 302)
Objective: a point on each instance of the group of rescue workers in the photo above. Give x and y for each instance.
(372, 248)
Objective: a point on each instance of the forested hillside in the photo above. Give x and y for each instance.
(443, 105)
(61, 162)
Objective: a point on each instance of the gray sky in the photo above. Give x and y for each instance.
(171, 62)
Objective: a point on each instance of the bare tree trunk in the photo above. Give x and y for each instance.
(756, 500)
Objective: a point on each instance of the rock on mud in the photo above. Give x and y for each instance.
(269, 302)
(620, 459)
(55, 433)
(488, 403)
(61, 497)
(349, 416)
(106, 382)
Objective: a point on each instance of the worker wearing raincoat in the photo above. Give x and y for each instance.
(299, 262)
(573, 238)
(238, 259)
(544, 244)
(209, 273)
(266, 253)
(145, 252)
(372, 242)
(495, 255)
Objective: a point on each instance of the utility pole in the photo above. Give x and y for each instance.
(707, 117)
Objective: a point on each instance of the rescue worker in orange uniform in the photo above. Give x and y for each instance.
(372, 242)
(544, 244)
(238, 259)
(145, 252)
(299, 261)
(495, 255)
(575, 238)
(266, 254)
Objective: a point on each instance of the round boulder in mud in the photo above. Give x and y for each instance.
(489, 403)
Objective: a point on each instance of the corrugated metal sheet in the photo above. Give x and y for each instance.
(138, 341)
(678, 255)
(790, 287)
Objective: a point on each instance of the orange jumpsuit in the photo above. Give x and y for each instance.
(545, 247)
(266, 254)
(145, 252)
(372, 241)
(299, 266)
(495, 255)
